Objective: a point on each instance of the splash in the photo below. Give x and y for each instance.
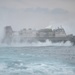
(37, 44)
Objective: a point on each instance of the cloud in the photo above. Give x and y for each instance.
(55, 11)
(36, 13)
(68, 0)
(37, 10)
(59, 11)
(49, 4)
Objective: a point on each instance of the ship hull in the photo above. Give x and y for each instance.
(57, 39)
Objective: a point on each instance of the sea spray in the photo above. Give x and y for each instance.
(36, 44)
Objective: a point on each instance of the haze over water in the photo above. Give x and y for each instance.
(37, 58)
(37, 14)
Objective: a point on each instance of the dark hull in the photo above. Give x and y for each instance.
(57, 39)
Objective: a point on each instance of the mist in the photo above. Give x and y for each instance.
(37, 15)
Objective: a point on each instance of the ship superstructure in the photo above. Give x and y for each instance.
(30, 35)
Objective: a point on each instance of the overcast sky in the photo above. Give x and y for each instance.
(37, 14)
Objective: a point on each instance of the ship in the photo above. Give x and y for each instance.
(55, 35)
(41, 35)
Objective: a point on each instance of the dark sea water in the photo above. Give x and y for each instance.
(46, 60)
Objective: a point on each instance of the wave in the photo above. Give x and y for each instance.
(37, 44)
(53, 68)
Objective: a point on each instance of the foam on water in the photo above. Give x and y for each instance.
(38, 60)
(53, 68)
(2, 66)
(47, 43)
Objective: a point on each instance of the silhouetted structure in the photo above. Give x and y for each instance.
(60, 32)
(29, 35)
(8, 35)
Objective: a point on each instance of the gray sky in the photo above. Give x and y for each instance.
(37, 14)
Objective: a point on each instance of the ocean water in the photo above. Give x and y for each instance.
(37, 60)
